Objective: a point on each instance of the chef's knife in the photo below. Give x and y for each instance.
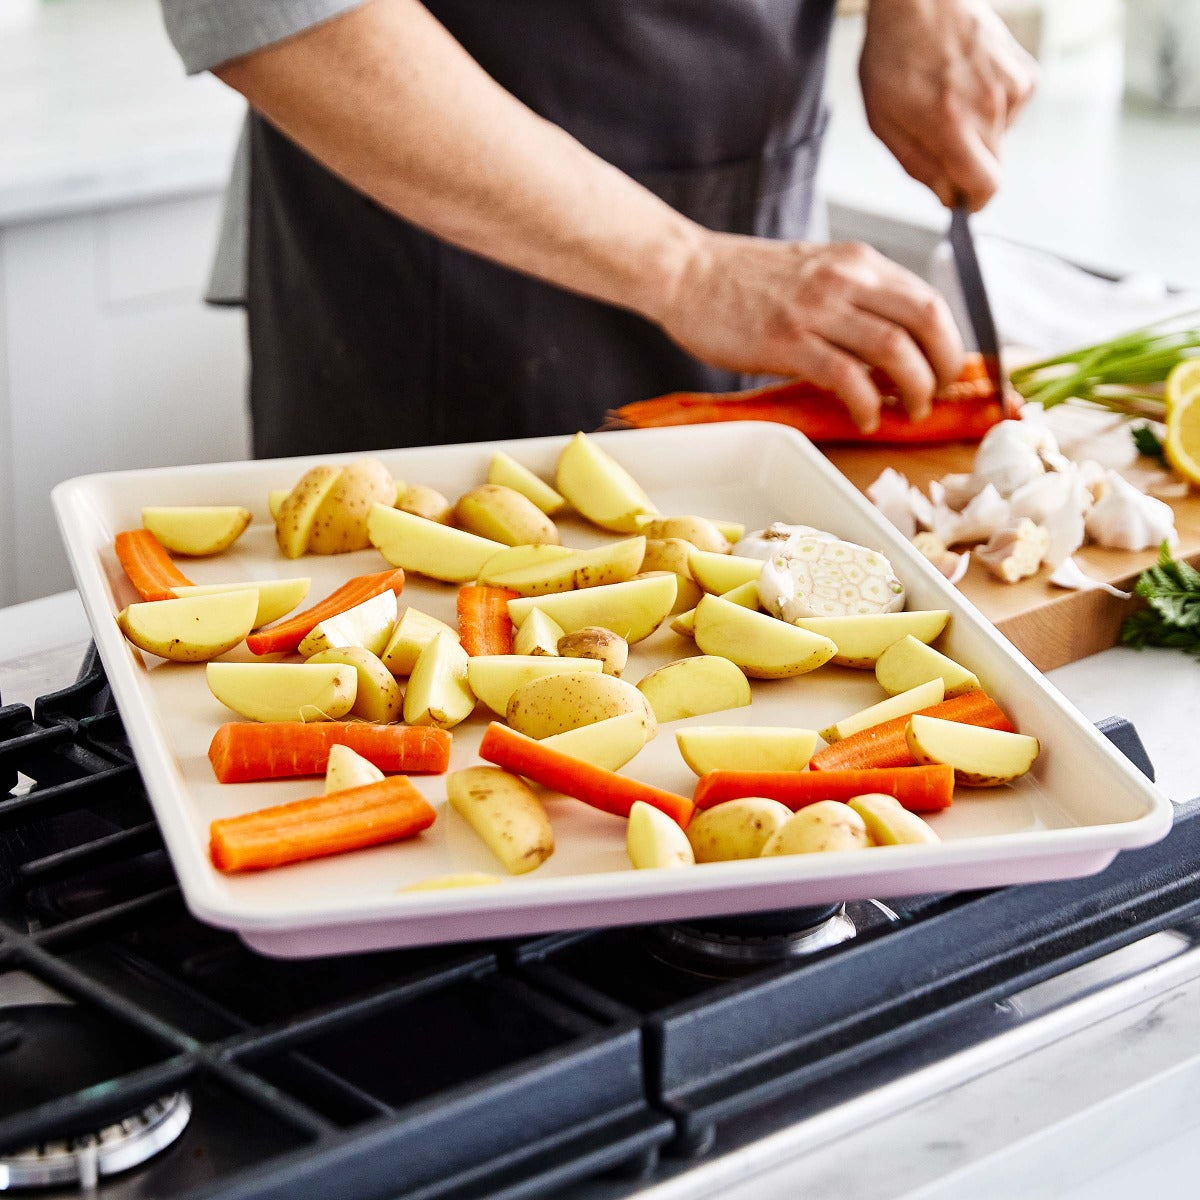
(979, 311)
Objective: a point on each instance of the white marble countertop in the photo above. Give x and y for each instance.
(95, 111)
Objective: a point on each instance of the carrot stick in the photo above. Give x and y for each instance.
(919, 789)
(362, 816)
(884, 745)
(484, 625)
(246, 750)
(286, 635)
(148, 565)
(605, 790)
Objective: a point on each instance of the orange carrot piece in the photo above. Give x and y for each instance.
(349, 820)
(245, 750)
(884, 745)
(287, 634)
(605, 790)
(148, 565)
(919, 789)
(484, 625)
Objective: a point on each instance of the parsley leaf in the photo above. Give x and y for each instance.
(1172, 592)
(1147, 442)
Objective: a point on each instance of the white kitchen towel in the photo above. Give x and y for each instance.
(1045, 305)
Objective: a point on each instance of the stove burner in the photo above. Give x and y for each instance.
(83, 1160)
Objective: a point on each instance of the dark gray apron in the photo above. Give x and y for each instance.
(366, 332)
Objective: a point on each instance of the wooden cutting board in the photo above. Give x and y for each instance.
(1049, 625)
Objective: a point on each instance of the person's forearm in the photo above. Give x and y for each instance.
(388, 100)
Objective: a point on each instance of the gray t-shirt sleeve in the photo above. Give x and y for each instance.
(209, 32)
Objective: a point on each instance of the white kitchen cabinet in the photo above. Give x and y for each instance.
(109, 359)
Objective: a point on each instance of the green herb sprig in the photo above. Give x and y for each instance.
(1172, 614)
(1148, 443)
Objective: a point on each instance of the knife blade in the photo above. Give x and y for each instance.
(979, 311)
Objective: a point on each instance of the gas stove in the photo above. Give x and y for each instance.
(143, 1053)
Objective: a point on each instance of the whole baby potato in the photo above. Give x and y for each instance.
(556, 703)
(735, 829)
(828, 825)
(593, 642)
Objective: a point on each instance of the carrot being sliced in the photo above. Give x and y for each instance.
(364, 816)
(884, 745)
(246, 750)
(285, 636)
(148, 565)
(919, 789)
(605, 790)
(484, 625)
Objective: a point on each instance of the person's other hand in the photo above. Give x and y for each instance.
(825, 314)
(942, 80)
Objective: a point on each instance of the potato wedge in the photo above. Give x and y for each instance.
(494, 677)
(608, 648)
(652, 839)
(599, 488)
(860, 640)
(412, 633)
(191, 630)
(687, 590)
(505, 470)
(298, 509)
(720, 573)
(379, 698)
(822, 828)
(609, 744)
(557, 703)
(745, 595)
(909, 662)
(889, 823)
(539, 634)
(924, 695)
(368, 624)
(740, 748)
(438, 692)
(764, 647)
(696, 531)
(634, 609)
(347, 769)
(736, 829)
(196, 530)
(563, 570)
(690, 687)
(276, 597)
(980, 757)
(284, 691)
(505, 812)
(340, 523)
(504, 515)
(424, 546)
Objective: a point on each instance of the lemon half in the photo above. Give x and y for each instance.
(1182, 446)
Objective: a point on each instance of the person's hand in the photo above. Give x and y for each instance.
(825, 314)
(942, 80)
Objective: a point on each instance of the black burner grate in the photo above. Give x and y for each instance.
(492, 1070)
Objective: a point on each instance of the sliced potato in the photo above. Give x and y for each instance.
(539, 634)
(424, 546)
(284, 691)
(687, 590)
(340, 523)
(521, 560)
(861, 639)
(980, 757)
(368, 624)
(891, 824)
(412, 633)
(504, 515)
(764, 647)
(608, 648)
(191, 630)
(745, 594)
(347, 769)
(564, 570)
(740, 748)
(196, 530)
(494, 677)
(822, 828)
(736, 829)
(298, 509)
(599, 488)
(440, 883)
(507, 471)
(924, 695)
(379, 698)
(652, 839)
(690, 687)
(720, 573)
(909, 662)
(557, 703)
(609, 744)
(275, 499)
(276, 597)
(438, 692)
(634, 609)
(504, 811)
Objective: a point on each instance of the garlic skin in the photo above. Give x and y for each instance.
(1070, 575)
(986, 513)
(891, 493)
(1015, 553)
(1125, 519)
(764, 543)
(952, 566)
(818, 577)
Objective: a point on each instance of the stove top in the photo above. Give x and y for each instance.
(514, 1069)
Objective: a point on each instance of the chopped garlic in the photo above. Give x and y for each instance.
(817, 577)
(1125, 519)
(1016, 552)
